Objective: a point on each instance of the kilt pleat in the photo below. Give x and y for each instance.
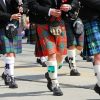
(47, 44)
(92, 35)
(10, 46)
(72, 38)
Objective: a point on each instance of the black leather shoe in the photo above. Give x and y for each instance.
(66, 59)
(38, 61)
(81, 54)
(97, 89)
(9, 81)
(89, 59)
(57, 91)
(12, 83)
(49, 83)
(41, 63)
(4, 77)
(74, 72)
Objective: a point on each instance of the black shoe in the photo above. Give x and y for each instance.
(97, 89)
(9, 81)
(4, 77)
(57, 91)
(89, 59)
(81, 54)
(66, 59)
(38, 61)
(49, 84)
(41, 63)
(74, 72)
(12, 83)
(84, 58)
(44, 64)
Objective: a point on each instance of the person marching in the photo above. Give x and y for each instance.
(75, 39)
(51, 36)
(10, 44)
(90, 14)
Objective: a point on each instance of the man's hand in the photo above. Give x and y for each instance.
(55, 12)
(65, 7)
(16, 16)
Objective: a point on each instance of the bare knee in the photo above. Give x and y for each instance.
(97, 59)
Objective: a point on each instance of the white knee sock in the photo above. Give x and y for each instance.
(55, 83)
(71, 57)
(52, 70)
(97, 71)
(9, 68)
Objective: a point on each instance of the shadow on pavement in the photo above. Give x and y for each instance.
(93, 99)
(38, 93)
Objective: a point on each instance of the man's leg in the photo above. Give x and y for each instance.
(52, 72)
(8, 74)
(72, 62)
(97, 72)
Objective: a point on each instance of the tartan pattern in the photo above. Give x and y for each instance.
(48, 44)
(10, 46)
(92, 35)
(72, 38)
(31, 39)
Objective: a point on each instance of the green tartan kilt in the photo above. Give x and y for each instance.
(92, 37)
(8, 45)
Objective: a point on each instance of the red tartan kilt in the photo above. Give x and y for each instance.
(48, 44)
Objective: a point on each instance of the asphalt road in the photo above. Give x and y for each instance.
(32, 83)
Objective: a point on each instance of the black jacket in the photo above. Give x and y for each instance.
(71, 14)
(38, 9)
(7, 11)
(25, 6)
(89, 9)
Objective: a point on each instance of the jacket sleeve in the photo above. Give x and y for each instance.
(35, 7)
(25, 7)
(94, 4)
(4, 17)
(14, 6)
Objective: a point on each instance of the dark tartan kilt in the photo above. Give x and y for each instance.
(47, 44)
(10, 46)
(72, 38)
(31, 39)
(92, 37)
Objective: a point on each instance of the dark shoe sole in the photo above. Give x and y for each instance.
(97, 89)
(58, 94)
(13, 86)
(74, 73)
